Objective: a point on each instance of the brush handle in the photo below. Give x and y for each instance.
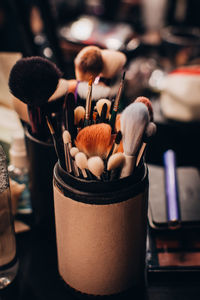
(171, 189)
(88, 106)
(68, 161)
(141, 153)
(129, 166)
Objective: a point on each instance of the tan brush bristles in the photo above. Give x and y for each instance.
(100, 104)
(73, 151)
(81, 162)
(79, 114)
(95, 140)
(115, 161)
(96, 166)
(67, 138)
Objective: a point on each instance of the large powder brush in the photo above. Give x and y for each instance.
(134, 120)
(33, 80)
(95, 140)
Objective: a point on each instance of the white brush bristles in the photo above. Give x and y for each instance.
(115, 161)
(96, 166)
(134, 120)
(73, 151)
(99, 106)
(82, 162)
(66, 137)
(79, 114)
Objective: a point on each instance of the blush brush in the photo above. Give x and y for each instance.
(95, 140)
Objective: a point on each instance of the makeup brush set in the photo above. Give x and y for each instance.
(94, 142)
(95, 146)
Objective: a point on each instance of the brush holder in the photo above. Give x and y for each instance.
(101, 231)
(42, 158)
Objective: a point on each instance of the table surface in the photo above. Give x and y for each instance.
(38, 277)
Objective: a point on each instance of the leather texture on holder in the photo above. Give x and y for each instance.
(101, 248)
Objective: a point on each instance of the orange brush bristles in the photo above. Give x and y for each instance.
(95, 140)
(148, 104)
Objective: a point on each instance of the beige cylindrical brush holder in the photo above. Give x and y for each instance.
(101, 231)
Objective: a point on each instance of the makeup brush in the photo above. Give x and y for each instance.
(67, 145)
(96, 166)
(149, 132)
(33, 80)
(134, 120)
(115, 161)
(151, 128)
(116, 103)
(171, 189)
(82, 163)
(57, 146)
(79, 114)
(95, 140)
(102, 118)
(88, 104)
(73, 151)
(99, 106)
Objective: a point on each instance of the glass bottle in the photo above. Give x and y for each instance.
(18, 171)
(8, 257)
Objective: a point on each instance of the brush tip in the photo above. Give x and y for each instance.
(33, 80)
(96, 165)
(115, 161)
(147, 102)
(66, 137)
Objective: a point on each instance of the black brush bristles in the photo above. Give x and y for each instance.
(33, 80)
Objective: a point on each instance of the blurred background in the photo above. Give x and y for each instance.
(157, 36)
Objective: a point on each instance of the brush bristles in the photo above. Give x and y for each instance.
(79, 114)
(95, 140)
(115, 161)
(66, 137)
(96, 165)
(73, 151)
(81, 160)
(100, 104)
(33, 80)
(148, 104)
(134, 120)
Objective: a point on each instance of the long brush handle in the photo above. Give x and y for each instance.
(88, 104)
(116, 103)
(129, 166)
(171, 189)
